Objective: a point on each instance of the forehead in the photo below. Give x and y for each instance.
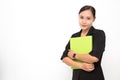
(86, 13)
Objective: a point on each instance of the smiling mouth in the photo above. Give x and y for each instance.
(83, 25)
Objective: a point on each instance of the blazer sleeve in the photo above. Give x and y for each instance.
(66, 50)
(98, 44)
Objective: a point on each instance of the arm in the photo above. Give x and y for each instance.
(84, 57)
(87, 58)
(84, 66)
(71, 62)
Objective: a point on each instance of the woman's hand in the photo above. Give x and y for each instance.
(87, 67)
(70, 54)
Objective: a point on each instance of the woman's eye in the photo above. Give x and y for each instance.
(81, 17)
(88, 18)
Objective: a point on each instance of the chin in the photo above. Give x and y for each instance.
(84, 28)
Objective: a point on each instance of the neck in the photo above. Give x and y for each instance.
(84, 32)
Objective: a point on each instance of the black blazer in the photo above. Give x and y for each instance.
(97, 51)
(98, 42)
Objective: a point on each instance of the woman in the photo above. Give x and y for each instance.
(90, 68)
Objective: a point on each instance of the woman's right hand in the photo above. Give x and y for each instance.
(87, 67)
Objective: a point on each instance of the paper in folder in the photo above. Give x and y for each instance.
(81, 45)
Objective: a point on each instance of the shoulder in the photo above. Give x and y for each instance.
(99, 33)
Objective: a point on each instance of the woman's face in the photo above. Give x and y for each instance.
(86, 19)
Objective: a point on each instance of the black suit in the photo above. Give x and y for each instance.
(97, 51)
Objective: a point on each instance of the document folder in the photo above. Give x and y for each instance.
(81, 45)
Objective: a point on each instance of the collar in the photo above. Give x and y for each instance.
(90, 32)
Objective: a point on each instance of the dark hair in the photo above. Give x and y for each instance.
(88, 7)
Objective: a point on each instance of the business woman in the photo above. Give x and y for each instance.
(90, 68)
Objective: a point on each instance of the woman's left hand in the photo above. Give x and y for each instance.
(70, 54)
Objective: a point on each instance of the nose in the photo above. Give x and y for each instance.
(83, 21)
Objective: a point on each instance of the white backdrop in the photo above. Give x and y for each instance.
(33, 35)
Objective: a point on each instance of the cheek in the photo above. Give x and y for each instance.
(89, 22)
(80, 21)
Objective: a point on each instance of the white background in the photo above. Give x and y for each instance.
(33, 35)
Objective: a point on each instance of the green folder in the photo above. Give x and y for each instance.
(81, 45)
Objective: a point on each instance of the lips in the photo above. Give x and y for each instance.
(84, 25)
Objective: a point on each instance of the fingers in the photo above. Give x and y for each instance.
(71, 51)
(88, 67)
(70, 54)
